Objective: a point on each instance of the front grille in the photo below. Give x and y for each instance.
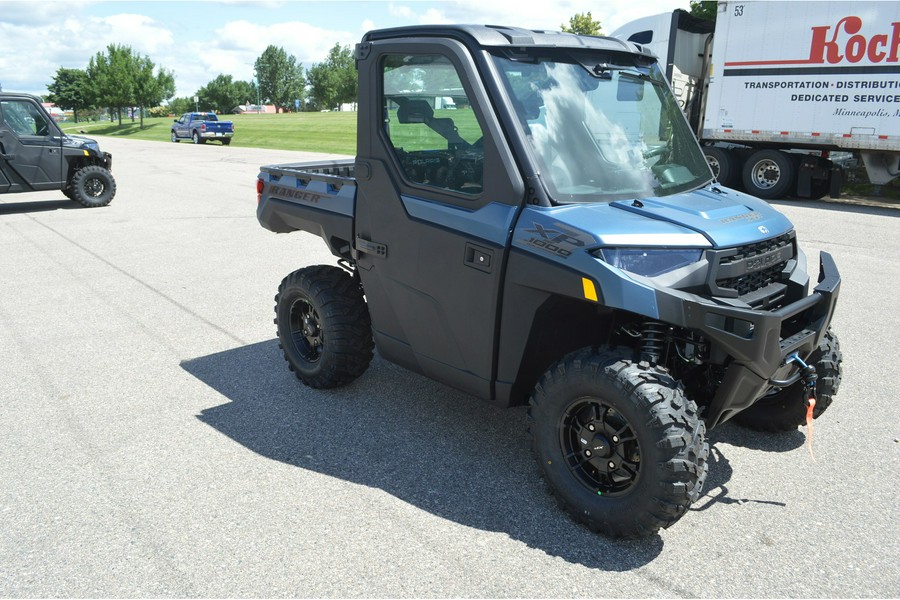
(737, 272)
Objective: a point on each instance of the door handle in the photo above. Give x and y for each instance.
(478, 257)
(367, 247)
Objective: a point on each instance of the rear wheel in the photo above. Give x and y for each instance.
(724, 165)
(323, 325)
(197, 139)
(92, 186)
(785, 409)
(769, 174)
(621, 447)
(226, 141)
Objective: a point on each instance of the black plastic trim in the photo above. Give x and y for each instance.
(758, 341)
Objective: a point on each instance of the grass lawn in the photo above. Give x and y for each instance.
(332, 132)
(335, 133)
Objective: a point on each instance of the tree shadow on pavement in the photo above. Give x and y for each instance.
(440, 450)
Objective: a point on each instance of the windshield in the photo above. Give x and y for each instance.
(602, 126)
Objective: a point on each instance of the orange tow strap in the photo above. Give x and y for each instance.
(809, 426)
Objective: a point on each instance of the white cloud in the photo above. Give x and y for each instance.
(237, 45)
(143, 34)
(532, 15)
(36, 38)
(33, 54)
(37, 13)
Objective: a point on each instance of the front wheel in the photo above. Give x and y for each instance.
(92, 186)
(323, 325)
(174, 137)
(621, 447)
(785, 409)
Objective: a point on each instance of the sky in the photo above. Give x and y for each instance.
(198, 40)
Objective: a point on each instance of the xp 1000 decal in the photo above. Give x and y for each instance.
(556, 239)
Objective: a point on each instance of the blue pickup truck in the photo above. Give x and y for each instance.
(201, 127)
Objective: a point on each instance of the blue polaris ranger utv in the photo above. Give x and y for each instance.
(555, 238)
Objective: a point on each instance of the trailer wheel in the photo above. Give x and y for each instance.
(785, 409)
(92, 186)
(620, 446)
(769, 174)
(323, 326)
(724, 165)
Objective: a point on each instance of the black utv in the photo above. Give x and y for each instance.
(35, 155)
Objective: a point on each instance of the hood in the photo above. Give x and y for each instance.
(78, 141)
(725, 217)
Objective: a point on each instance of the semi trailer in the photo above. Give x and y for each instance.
(774, 89)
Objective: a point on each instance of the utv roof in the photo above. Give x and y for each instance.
(20, 95)
(496, 36)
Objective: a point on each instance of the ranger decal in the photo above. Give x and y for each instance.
(295, 194)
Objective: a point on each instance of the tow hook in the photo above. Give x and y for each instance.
(808, 376)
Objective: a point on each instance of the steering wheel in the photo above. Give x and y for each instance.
(656, 150)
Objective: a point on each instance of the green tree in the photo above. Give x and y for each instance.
(222, 94)
(179, 106)
(319, 87)
(112, 78)
(151, 88)
(245, 92)
(704, 9)
(583, 24)
(333, 81)
(280, 77)
(70, 90)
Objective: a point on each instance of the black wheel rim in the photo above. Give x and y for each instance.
(306, 330)
(600, 447)
(93, 187)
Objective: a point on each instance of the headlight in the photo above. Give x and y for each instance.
(650, 262)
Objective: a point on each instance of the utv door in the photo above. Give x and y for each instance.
(437, 196)
(30, 148)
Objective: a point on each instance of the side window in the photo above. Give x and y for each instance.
(642, 37)
(23, 118)
(430, 123)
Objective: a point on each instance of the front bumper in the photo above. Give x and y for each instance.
(757, 341)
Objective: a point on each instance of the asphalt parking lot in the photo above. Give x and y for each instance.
(154, 444)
